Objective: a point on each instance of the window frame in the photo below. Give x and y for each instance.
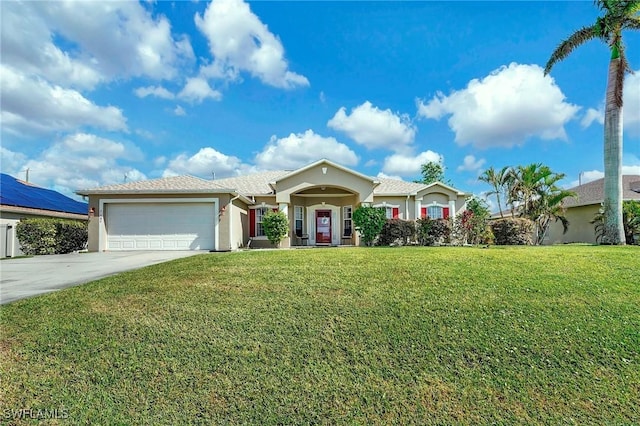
(296, 219)
(346, 220)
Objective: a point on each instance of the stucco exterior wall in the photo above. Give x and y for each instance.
(324, 175)
(580, 230)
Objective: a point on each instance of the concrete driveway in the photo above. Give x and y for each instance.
(27, 277)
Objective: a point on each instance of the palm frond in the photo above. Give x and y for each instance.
(565, 48)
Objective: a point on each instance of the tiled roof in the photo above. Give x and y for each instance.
(168, 184)
(395, 186)
(248, 185)
(252, 184)
(593, 192)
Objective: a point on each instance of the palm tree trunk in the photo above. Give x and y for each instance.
(613, 226)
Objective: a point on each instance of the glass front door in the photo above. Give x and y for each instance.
(323, 226)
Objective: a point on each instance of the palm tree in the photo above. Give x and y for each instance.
(498, 180)
(617, 15)
(535, 189)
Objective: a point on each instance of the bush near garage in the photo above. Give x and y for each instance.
(51, 236)
(276, 226)
(513, 231)
(397, 232)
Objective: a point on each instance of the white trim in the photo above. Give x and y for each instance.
(385, 205)
(102, 228)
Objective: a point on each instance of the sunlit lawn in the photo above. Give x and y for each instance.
(537, 335)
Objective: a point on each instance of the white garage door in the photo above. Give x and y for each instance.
(160, 226)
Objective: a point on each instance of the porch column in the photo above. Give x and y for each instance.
(418, 208)
(452, 209)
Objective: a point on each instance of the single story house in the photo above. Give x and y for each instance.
(583, 208)
(20, 200)
(189, 213)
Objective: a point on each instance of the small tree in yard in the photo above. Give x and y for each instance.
(369, 222)
(276, 226)
(472, 226)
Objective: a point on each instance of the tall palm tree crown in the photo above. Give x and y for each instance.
(617, 15)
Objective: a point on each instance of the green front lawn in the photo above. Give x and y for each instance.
(535, 335)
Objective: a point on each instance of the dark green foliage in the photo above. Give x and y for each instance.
(70, 236)
(630, 221)
(433, 231)
(37, 236)
(432, 172)
(51, 236)
(276, 226)
(369, 222)
(397, 232)
(513, 231)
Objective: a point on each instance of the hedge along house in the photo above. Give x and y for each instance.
(22, 200)
(188, 213)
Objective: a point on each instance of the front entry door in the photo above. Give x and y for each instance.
(323, 226)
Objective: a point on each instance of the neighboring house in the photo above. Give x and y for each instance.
(20, 200)
(188, 213)
(582, 209)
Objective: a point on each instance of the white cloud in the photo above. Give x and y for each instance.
(407, 164)
(79, 161)
(157, 91)
(299, 149)
(591, 175)
(375, 128)
(592, 115)
(12, 162)
(33, 105)
(239, 41)
(471, 164)
(507, 107)
(179, 111)
(203, 164)
(33, 51)
(197, 90)
(631, 108)
(386, 176)
(138, 44)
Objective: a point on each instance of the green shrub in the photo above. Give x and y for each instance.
(51, 236)
(432, 232)
(396, 232)
(369, 222)
(276, 226)
(71, 236)
(513, 231)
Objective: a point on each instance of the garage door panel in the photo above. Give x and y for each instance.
(160, 226)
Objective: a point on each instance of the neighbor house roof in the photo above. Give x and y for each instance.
(22, 197)
(593, 192)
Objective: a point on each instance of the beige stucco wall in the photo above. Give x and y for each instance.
(334, 177)
(580, 230)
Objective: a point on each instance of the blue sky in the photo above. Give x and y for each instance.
(94, 93)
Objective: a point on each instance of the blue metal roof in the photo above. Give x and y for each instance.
(14, 192)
